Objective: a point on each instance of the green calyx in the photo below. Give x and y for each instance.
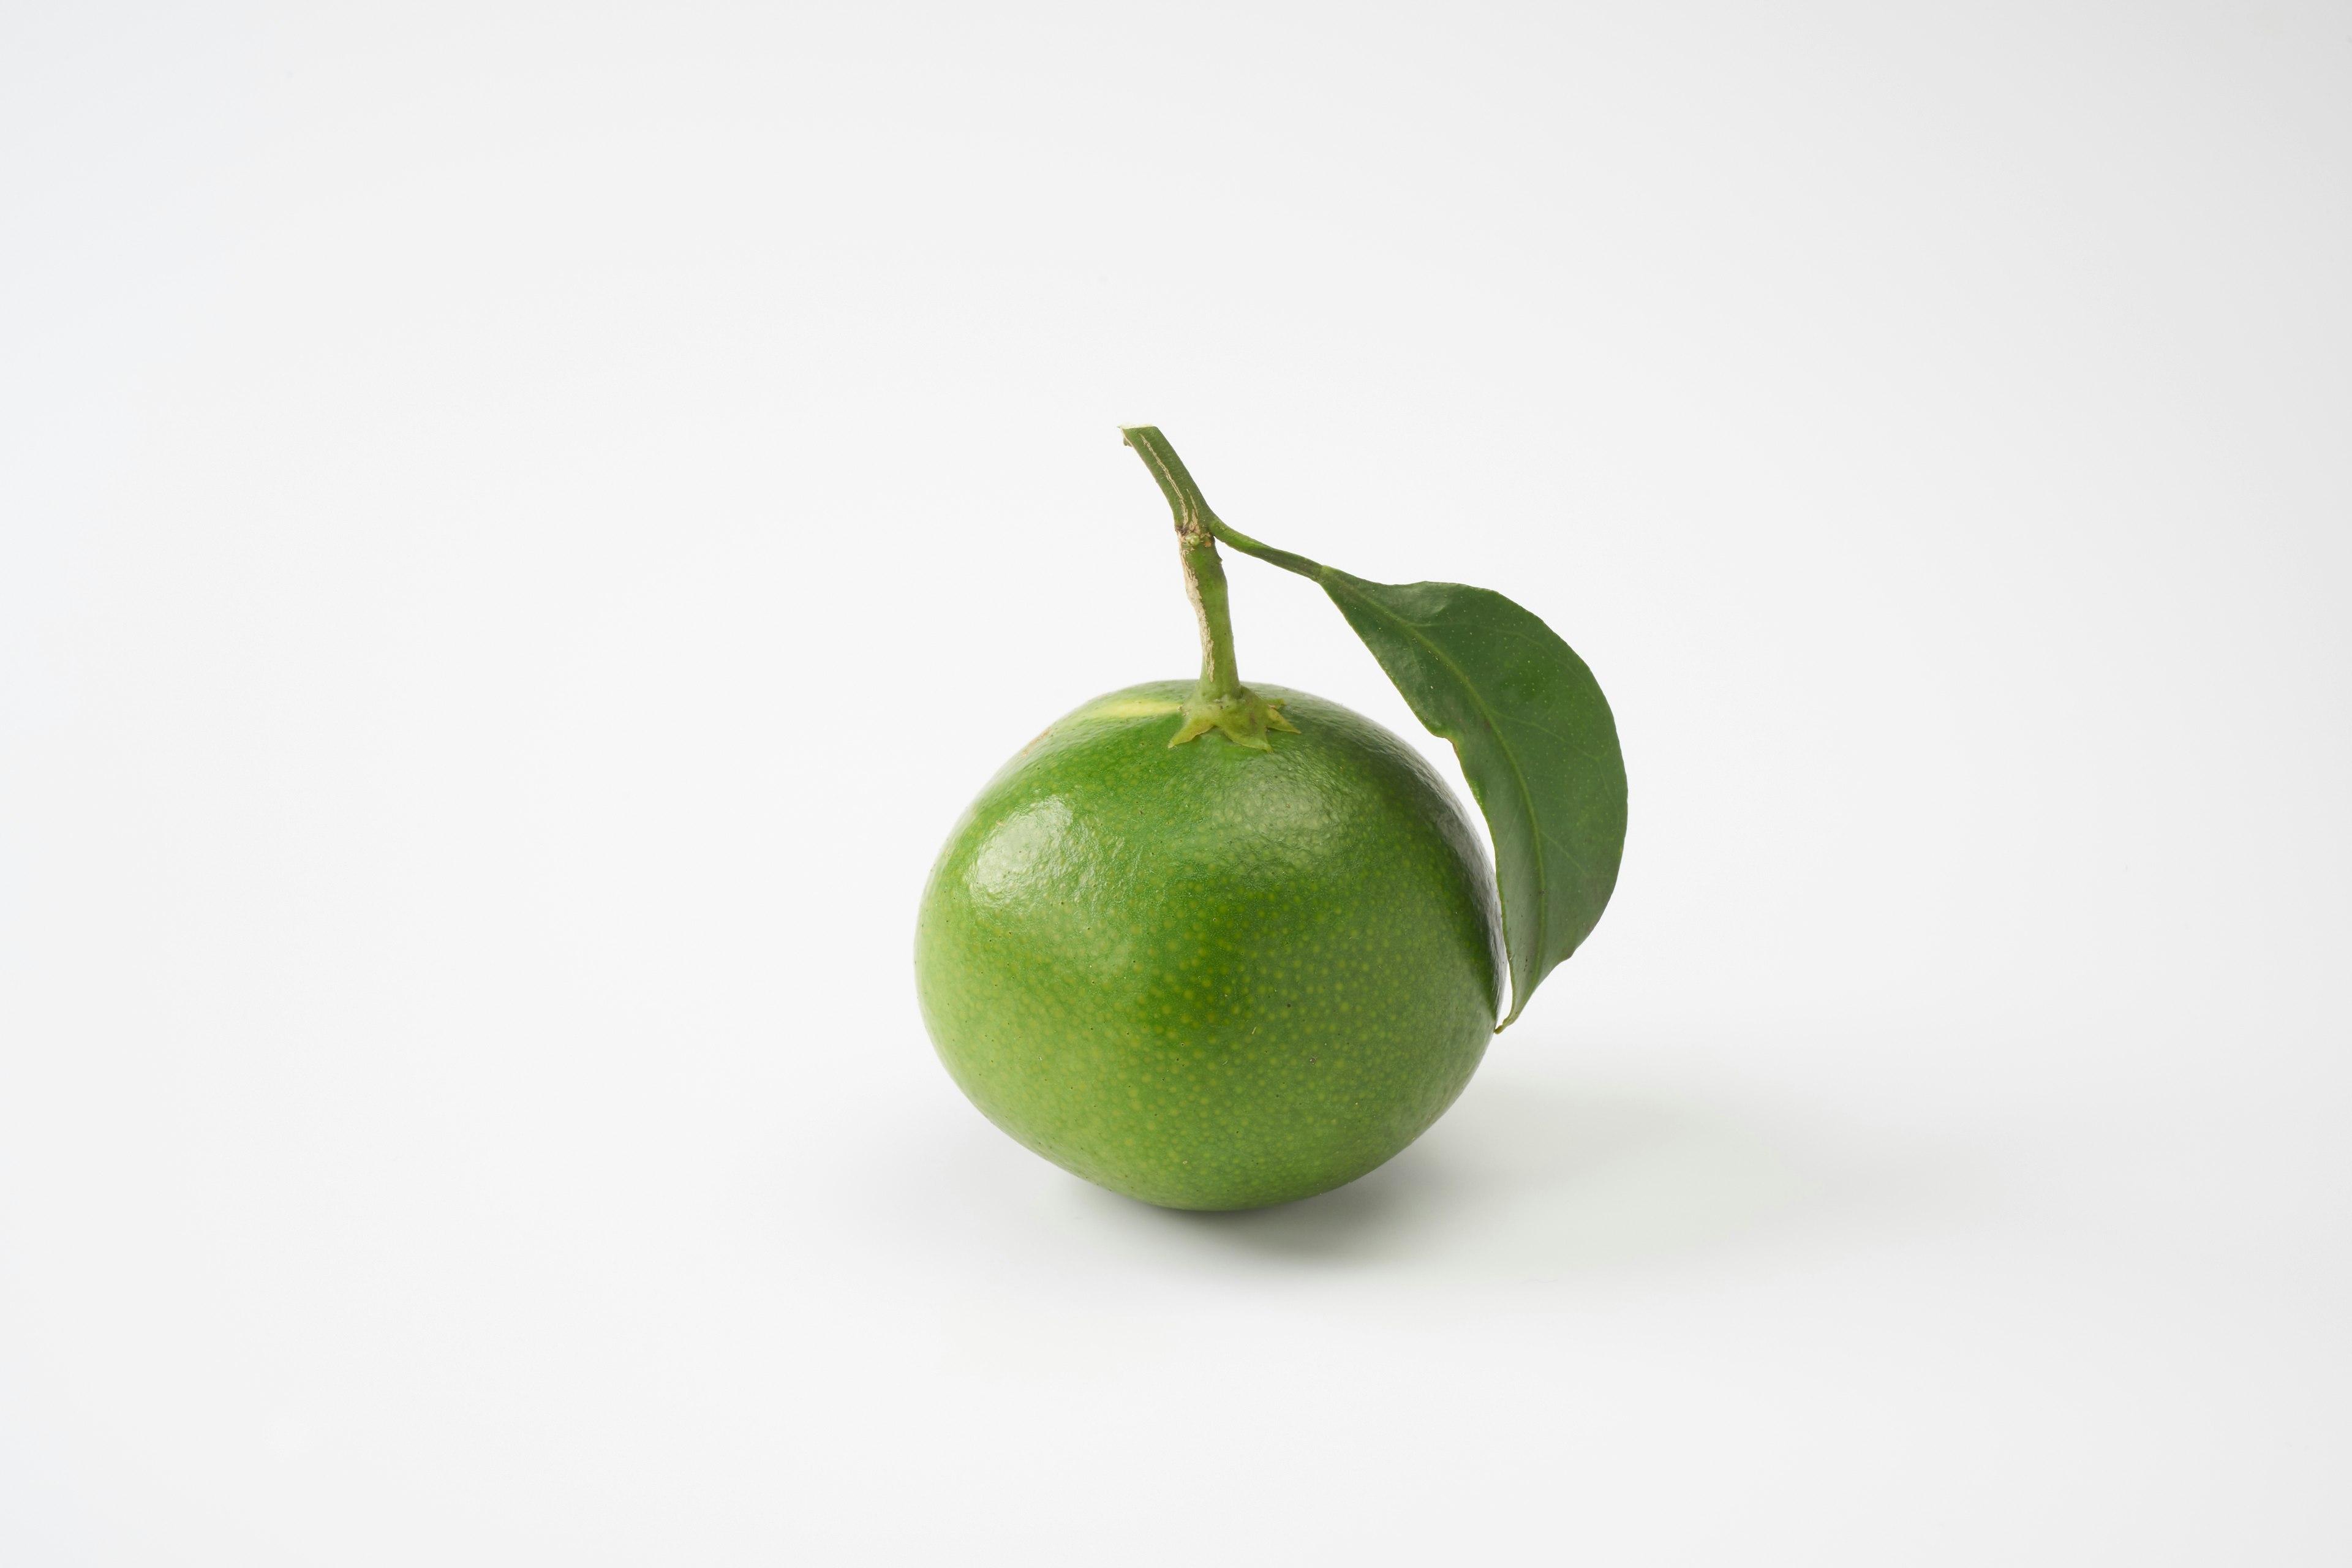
(1244, 719)
(1220, 702)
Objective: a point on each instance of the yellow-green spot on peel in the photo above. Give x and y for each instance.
(1126, 708)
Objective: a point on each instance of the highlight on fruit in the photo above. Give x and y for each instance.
(1218, 946)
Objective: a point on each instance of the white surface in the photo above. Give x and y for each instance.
(522, 527)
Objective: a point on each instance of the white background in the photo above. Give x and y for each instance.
(524, 525)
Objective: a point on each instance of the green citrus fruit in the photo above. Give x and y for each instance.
(1206, 976)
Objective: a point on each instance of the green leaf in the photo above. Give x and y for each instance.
(1536, 741)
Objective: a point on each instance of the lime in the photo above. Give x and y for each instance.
(1207, 975)
(1217, 947)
